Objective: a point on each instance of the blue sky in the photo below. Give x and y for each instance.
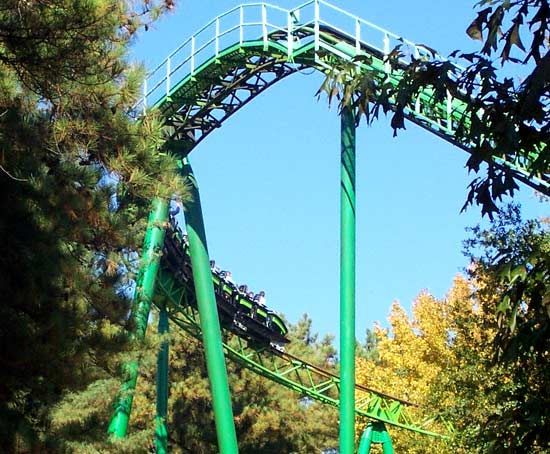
(269, 181)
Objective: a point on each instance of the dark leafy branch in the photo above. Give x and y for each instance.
(505, 118)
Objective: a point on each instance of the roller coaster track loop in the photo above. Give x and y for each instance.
(241, 53)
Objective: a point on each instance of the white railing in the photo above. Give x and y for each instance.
(257, 21)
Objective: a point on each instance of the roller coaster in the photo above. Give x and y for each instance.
(238, 310)
(217, 71)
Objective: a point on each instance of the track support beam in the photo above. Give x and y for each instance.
(161, 426)
(347, 283)
(375, 433)
(208, 312)
(145, 288)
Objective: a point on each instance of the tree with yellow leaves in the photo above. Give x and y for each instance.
(412, 354)
(444, 359)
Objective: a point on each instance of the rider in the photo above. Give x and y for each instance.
(214, 268)
(261, 299)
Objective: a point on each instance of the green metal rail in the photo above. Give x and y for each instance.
(175, 283)
(241, 53)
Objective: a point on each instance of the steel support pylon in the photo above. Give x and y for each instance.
(208, 312)
(145, 288)
(375, 433)
(161, 427)
(347, 283)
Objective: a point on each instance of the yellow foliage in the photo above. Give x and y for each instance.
(413, 353)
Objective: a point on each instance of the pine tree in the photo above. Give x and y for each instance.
(76, 174)
(269, 418)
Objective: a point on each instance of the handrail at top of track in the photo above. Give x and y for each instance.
(250, 21)
(311, 28)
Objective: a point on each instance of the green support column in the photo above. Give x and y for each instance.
(145, 288)
(206, 302)
(161, 428)
(375, 433)
(347, 283)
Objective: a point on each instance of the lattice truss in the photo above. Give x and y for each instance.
(207, 103)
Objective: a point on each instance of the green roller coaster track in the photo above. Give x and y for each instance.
(283, 368)
(209, 77)
(217, 71)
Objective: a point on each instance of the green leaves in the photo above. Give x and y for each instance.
(505, 122)
(512, 269)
